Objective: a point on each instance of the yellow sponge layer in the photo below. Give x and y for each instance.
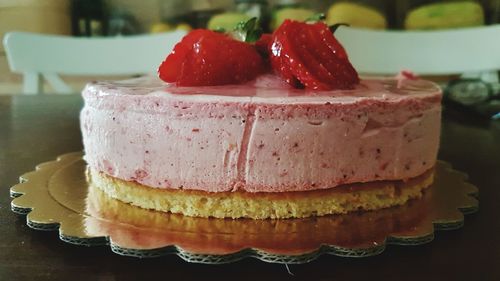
(263, 205)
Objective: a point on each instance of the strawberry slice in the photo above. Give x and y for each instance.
(310, 54)
(345, 74)
(208, 58)
(280, 63)
(309, 58)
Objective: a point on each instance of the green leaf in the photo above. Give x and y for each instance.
(253, 35)
(247, 31)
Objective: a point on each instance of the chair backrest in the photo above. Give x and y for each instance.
(455, 51)
(36, 55)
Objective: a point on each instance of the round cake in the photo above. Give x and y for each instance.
(243, 124)
(261, 149)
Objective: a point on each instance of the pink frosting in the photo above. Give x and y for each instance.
(261, 136)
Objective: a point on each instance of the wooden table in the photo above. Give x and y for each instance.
(34, 129)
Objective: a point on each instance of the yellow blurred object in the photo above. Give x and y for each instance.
(445, 15)
(160, 27)
(356, 15)
(183, 26)
(299, 14)
(226, 21)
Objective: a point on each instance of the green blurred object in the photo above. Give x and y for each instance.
(443, 15)
(226, 21)
(356, 15)
(293, 13)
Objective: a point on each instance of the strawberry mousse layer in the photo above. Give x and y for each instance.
(262, 136)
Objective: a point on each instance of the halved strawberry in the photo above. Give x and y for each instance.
(338, 65)
(207, 58)
(302, 45)
(310, 54)
(169, 69)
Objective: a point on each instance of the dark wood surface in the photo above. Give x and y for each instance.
(38, 129)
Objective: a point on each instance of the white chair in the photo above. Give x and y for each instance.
(36, 56)
(456, 51)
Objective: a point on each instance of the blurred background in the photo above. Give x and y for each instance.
(108, 18)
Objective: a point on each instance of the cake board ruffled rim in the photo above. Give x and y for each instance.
(46, 209)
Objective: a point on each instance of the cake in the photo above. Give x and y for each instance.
(260, 148)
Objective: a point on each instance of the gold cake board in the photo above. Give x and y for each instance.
(57, 197)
